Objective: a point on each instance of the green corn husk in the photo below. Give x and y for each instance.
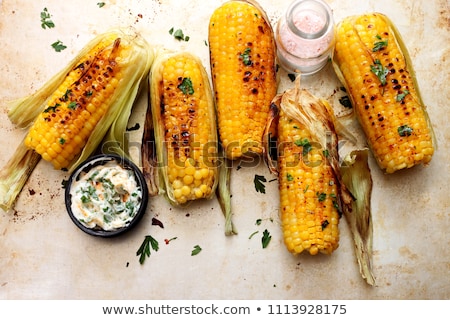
(23, 111)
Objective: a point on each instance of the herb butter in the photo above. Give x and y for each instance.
(106, 197)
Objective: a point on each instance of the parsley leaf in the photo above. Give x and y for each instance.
(259, 185)
(245, 56)
(100, 4)
(196, 250)
(405, 130)
(402, 96)
(178, 34)
(58, 46)
(144, 249)
(380, 71)
(46, 22)
(186, 86)
(305, 144)
(265, 239)
(289, 177)
(379, 45)
(321, 196)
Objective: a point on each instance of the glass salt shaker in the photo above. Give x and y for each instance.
(305, 36)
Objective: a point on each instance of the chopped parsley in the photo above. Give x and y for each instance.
(58, 46)
(401, 96)
(379, 45)
(265, 239)
(405, 130)
(380, 71)
(196, 250)
(305, 144)
(46, 22)
(325, 224)
(245, 56)
(178, 34)
(72, 105)
(321, 196)
(144, 249)
(259, 185)
(289, 177)
(62, 140)
(100, 4)
(66, 95)
(51, 108)
(186, 86)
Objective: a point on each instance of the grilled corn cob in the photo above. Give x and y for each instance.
(373, 64)
(308, 172)
(185, 130)
(242, 60)
(73, 111)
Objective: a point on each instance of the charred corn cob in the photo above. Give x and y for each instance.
(242, 59)
(73, 111)
(373, 64)
(308, 173)
(184, 121)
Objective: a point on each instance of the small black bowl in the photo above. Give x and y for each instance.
(85, 167)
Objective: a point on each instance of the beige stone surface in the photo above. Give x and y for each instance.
(44, 256)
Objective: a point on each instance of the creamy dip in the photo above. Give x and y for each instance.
(107, 197)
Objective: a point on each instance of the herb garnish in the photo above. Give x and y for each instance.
(265, 239)
(405, 130)
(58, 46)
(144, 249)
(289, 177)
(380, 71)
(401, 96)
(62, 140)
(325, 224)
(100, 4)
(259, 185)
(46, 22)
(321, 196)
(65, 96)
(245, 56)
(196, 250)
(305, 144)
(178, 34)
(51, 108)
(72, 105)
(378, 45)
(186, 86)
